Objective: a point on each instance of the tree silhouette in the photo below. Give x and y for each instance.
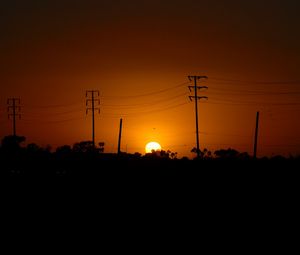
(83, 147)
(161, 154)
(12, 143)
(206, 154)
(101, 147)
(63, 151)
(32, 148)
(231, 154)
(87, 147)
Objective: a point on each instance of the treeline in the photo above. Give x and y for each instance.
(13, 146)
(84, 159)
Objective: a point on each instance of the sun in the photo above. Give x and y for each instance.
(152, 146)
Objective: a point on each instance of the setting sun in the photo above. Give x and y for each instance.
(152, 146)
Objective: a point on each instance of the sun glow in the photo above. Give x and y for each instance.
(152, 146)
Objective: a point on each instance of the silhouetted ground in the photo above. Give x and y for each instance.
(106, 164)
(154, 193)
(109, 170)
(213, 195)
(227, 174)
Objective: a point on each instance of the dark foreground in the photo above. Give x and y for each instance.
(210, 193)
(111, 170)
(89, 165)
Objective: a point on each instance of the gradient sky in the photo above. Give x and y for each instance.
(138, 54)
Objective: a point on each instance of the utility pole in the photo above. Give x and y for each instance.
(92, 98)
(256, 135)
(196, 98)
(120, 135)
(14, 110)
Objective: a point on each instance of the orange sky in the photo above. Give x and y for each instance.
(138, 55)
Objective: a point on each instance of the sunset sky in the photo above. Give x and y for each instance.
(138, 54)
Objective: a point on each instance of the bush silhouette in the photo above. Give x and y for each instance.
(12, 143)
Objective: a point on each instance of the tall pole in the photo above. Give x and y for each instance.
(14, 107)
(14, 118)
(256, 135)
(196, 98)
(93, 120)
(92, 100)
(196, 112)
(120, 136)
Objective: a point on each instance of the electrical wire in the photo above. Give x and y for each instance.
(144, 104)
(238, 102)
(255, 82)
(251, 91)
(51, 121)
(150, 93)
(169, 100)
(257, 93)
(58, 113)
(53, 106)
(135, 114)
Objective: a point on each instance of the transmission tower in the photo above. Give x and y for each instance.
(196, 98)
(14, 110)
(92, 100)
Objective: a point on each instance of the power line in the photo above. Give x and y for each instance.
(256, 82)
(53, 106)
(261, 91)
(52, 121)
(58, 113)
(151, 93)
(250, 102)
(241, 93)
(224, 134)
(196, 98)
(92, 100)
(144, 104)
(135, 114)
(14, 110)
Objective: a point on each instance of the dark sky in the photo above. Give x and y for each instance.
(144, 30)
(52, 51)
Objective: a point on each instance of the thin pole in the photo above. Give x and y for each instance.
(196, 111)
(93, 120)
(196, 98)
(256, 135)
(14, 117)
(14, 110)
(120, 136)
(93, 108)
